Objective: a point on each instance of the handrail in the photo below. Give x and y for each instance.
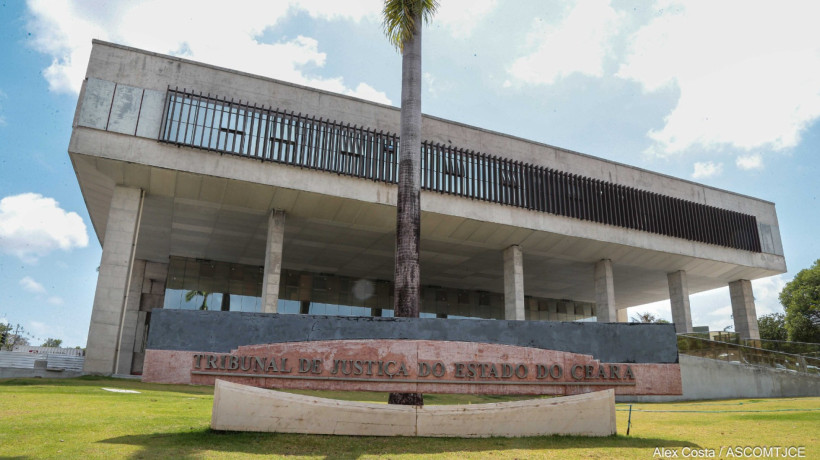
(726, 351)
(795, 348)
(268, 134)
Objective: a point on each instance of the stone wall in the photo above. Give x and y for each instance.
(221, 332)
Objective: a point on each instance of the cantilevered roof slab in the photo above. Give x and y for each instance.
(205, 204)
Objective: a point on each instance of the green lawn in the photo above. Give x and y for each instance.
(76, 418)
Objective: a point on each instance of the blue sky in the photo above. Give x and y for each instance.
(722, 93)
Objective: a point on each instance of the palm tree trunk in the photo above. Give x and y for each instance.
(408, 208)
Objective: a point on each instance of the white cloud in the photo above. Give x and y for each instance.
(712, 308)
(43, 331)
(30, 285)
(578, 44)
(354, 10)
(707, 169)
(38, 327)
(55, 300)
(661, 309)
(767, 294)
(430, 83)
(219, 33)
(748, 82)
(31, 226)
(461, 17)
(747, 162)
(724, 311)
(365, 91)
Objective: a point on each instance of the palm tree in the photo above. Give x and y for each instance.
(402, 25)
(191, 294)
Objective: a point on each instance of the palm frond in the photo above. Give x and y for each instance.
(400, 18)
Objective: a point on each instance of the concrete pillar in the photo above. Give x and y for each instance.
(604, 292)
(679, 298)
(743, 309)
(105, 332)
(273, 261)
(622, 315)
(130, 319)
(513, 283)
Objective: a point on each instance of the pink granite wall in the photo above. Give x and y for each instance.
(394, 365)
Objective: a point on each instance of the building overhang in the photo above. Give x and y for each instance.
(214, 207)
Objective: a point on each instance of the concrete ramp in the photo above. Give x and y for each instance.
(245, 408)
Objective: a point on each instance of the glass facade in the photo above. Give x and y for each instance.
(210, 285)
(195, 284)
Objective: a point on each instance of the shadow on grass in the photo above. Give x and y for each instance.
(94, 380)
(192, 444)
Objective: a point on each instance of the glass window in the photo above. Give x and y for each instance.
(211, 285)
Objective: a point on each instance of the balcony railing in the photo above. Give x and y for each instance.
(267, 134)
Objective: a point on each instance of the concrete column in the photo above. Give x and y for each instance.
(743, 309)
(513, 283)
(604, 292)
(273, 261)
(679, 298)
(622, 315)
(105, 332)
(130, 319)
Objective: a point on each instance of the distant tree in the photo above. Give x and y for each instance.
(11, 336)
(191, 294)
(54, 343)
(648, 318)
(773, 327)
(801, 300)
(5, 332)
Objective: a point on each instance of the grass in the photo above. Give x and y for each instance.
(76, 418)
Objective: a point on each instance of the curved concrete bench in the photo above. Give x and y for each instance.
(245, 408)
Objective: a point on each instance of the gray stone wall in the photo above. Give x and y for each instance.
(221, 332)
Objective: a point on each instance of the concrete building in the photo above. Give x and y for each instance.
(212, 188)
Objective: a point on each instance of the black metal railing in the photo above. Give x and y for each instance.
(267, 134)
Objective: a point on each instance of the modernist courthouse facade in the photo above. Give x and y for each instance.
(215, 189)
